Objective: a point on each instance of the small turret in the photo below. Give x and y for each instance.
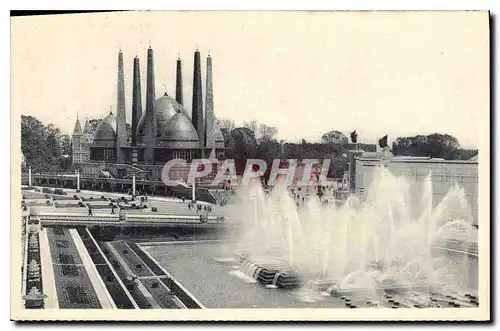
(87, 128)
(78, 128)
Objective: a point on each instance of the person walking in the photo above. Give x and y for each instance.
(90, 211)
(112, 209)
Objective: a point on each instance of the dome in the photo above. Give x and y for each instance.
(165, 108)
(106, 130)
(180, 133)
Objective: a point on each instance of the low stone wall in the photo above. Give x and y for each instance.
(170, 283)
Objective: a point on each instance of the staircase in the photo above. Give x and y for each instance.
(126, 169)
(186, 192)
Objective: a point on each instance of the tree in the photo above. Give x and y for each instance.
(435, 145)
(226, 126)
(267, 133)
(44, 147)
(243, 146)
(94, 123)
(268, 150)
(466, 154)
(33, 142)
(253, 126)
(226, 123)
(65, 144)
(334, 137)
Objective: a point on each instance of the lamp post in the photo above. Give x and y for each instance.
(194, 191)
(133, 185)
(77, 180)
(29, 177)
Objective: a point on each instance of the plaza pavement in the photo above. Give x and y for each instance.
(164, 205)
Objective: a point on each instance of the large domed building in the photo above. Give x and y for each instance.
(164, 131)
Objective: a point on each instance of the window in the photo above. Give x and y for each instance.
(109, 154)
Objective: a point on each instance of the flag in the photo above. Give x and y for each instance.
(354, 137)
(383, 142)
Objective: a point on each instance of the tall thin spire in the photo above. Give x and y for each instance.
(178, 84)
(136, 100)
(150, 117)
(121, 124)
(209, 107)
(197, 108)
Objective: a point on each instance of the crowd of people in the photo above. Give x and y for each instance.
(199, 207)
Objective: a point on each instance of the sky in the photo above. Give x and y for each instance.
(399, 73)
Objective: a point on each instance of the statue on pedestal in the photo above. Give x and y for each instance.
(354, 137)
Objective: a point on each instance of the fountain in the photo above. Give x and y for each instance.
(383, 244)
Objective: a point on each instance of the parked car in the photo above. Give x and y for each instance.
(60, 191)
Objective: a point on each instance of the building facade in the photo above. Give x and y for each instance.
(444, 174)
(162, 132)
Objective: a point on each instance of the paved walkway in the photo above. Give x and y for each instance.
(48, 279)
(100, 289)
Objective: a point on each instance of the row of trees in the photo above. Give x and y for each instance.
(45, 148)
(254, 140)
(258, 141)
(434, 145)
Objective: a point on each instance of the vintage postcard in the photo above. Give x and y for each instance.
(251, 166)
